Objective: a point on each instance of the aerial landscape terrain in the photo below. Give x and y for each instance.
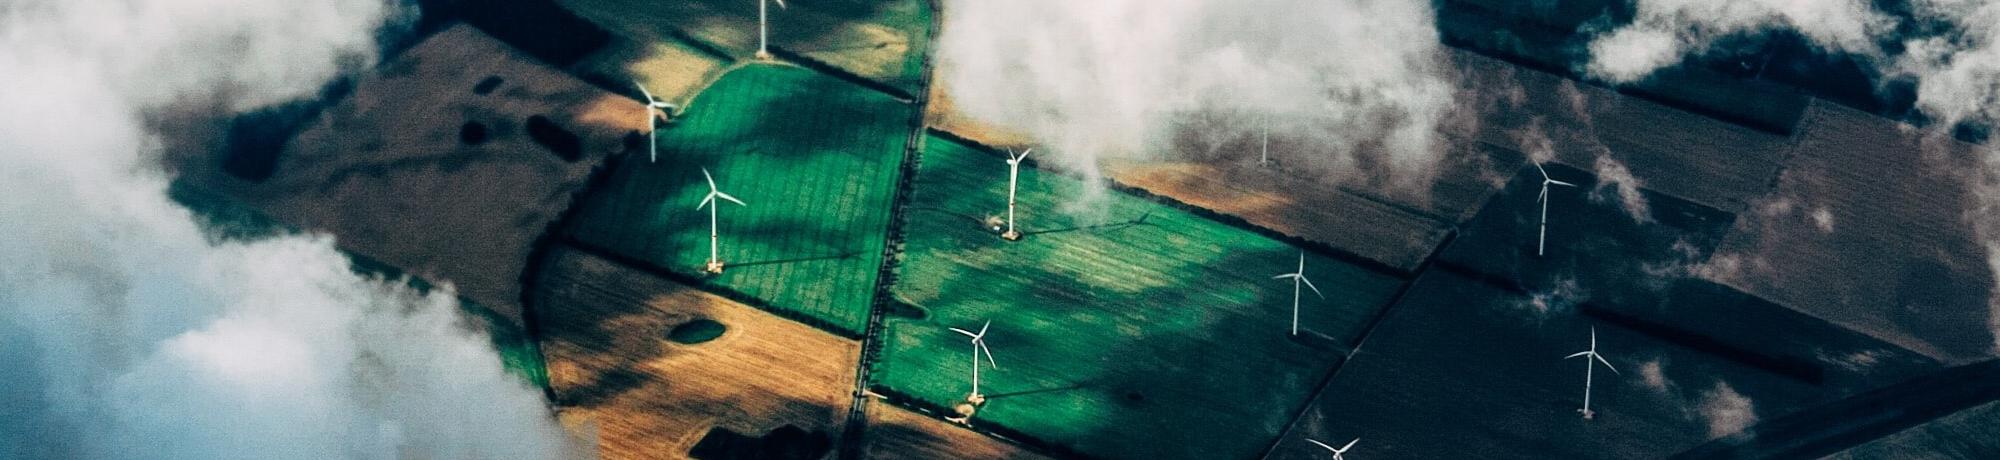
(1000, 229)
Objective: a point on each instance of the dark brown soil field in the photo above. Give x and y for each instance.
(613, 336)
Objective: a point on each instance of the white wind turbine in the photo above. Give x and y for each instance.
(1264, 152)
(1590, 364)
(1541, 240)
(714, 252)
(763, 27)
(1013, 179)
(652, 122)
(1299, 279)
(978, 347)
(1336, 452)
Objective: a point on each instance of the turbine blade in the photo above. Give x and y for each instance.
(1557, 182)
(642, 90)
(1580, 353)
(781, 3)
(711, 179)
(1309, 284)
(989, 354)
(1350, 444)
(1544, 196)
(962, 331)
(982, 327)
(705, 200)
(730, 198)
(1593, 338)
(1538, 167)
(1607, 364)
(1321, 444)
(1287, 275)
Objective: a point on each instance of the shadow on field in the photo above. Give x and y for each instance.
(841, 256)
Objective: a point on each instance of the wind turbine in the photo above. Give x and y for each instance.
(763, 27)
(1264, 152)
(714, 261)
(1590, 364)
(652, 122)
(1541, 241)
(1299, 279)
(1336, 452)
(1013, 179)
(978, 347)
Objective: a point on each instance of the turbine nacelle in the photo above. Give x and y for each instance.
(1336, 452)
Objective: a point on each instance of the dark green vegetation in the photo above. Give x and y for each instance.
(815, 159)
(1460, 366)
(1150, 332)
(697, 331)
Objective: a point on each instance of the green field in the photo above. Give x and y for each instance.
(1110, 335)
(815, 158)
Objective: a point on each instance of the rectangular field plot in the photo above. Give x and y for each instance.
(883, 41)
(816, 159)
(1115, 327)
(1462, 369)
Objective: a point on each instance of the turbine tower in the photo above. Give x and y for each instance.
(978, 347)
(1590, 364)
(1541, 241)
(714, 245)
(1013, 179)
(652, 122)
(764, 28)
(1299, 279)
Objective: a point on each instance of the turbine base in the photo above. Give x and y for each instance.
(1587, 413)
(763, 55)
(1011, 235)
(713, 268)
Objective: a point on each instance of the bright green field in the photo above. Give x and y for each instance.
(815, 158)
(1161, 339)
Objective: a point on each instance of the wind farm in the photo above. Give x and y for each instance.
(807, 249)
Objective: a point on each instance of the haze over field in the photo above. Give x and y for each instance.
(128, 334)
(1138, 79)
(1949, 48)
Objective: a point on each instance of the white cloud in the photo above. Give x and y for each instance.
(1360, 84)
(129, 335)
(1663, 32)
(1726, 411)
(1613, 176)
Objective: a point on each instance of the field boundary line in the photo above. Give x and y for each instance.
(1226, 219)
(706, 286)
(852, 438)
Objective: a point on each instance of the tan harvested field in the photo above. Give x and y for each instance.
(1701, 159)
(1291, 205)
(895, 433)
(1867, 232)
(613, 369)
(673, 71)
(843, 39)
(940, 114)
(386, 172)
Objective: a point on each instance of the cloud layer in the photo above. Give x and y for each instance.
(1345, 86)
(128, 334)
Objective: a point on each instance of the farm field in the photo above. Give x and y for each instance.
(619, 365)
(226, 219)
(671, 69)
(1460, 368)
(1968, 434)
(816, 160)
(895, 433)
(1595, 247)
(882, 41)
(1111, 329)
(460, 135)
(1868, 243)
(1292, 206)
(1700, 159)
